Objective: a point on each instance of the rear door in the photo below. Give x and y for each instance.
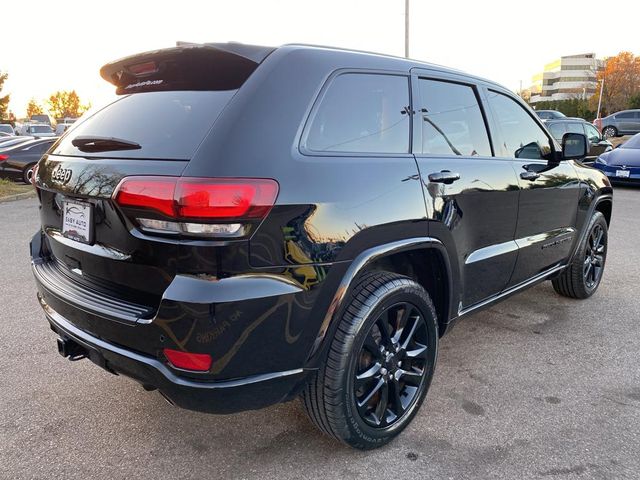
(627, 122)
(471, 197)
(549, 188)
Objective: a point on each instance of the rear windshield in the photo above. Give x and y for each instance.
(167, 125)
(40, 129)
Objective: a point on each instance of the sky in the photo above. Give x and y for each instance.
(50, 45)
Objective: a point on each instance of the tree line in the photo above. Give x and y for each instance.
(60, 104)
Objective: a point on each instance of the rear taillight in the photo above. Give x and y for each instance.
(3, 157)
(196, 206)
(199, 362)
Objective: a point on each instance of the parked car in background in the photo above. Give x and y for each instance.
(622, 164)
(40, 119)
(17, 162)
(625, 122)
(6, 142)
(597, 144)
(62, 127)
(6, 128)
(303, 220)
(549, 114)
(39, 130)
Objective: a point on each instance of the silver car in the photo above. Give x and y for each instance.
(626, 122)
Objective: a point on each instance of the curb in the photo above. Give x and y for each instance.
(18, 196)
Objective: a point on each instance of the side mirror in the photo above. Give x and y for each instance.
(574, 146)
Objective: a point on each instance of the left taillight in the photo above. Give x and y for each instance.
(213, 207)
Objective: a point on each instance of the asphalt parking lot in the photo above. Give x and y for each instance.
(538, 386)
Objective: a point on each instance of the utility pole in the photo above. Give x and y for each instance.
(406, 28)
(600, 99)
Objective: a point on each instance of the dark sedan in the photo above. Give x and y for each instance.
(18, 161)
(10, 141)
(622, 164)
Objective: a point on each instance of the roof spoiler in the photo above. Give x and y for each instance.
(188, 66)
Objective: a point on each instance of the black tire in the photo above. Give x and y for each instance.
(609, 132)
(332, 400)
(582, 276)
(25, 173)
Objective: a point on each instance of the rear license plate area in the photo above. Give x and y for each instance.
(77, 221)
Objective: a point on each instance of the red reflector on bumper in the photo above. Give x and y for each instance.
(200, 362)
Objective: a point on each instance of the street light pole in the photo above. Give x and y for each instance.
(406, 28)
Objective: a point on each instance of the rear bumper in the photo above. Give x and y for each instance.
(212, 397)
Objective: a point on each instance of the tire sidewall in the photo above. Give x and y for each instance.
(358, 428)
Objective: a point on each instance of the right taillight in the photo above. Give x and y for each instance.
(222, 207)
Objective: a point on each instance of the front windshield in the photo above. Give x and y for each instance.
(633, 142)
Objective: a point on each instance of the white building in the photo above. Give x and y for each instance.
(572, 76)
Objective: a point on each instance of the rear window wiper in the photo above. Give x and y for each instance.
(90, 143)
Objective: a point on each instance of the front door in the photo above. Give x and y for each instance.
(549, 189)
(471, 197)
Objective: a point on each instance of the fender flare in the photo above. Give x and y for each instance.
(592, 208)
(361, 262)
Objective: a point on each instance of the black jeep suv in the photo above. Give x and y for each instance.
(245, 225)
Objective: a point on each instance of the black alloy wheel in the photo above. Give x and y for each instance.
(391, 365)
(380, 362)
(594, 256)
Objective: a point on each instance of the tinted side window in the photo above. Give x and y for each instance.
(625, 115)
(520, 135)
(592, 133)
(557, 130)
(575, 128)
(365, 113)
(452, 122)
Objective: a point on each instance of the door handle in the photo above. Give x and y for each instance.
(531, 176)
(445, 176)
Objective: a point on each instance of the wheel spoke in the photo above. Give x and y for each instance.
(381, 408)
(398, 407)
(419, 352)
(412, 331)
(363, 403)
(365, 377)
(398, 321)
(596, 273)
(412, 377)
(599, 260)
(372, 347)
(599, 234)
(385, 330)
(587, 269)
